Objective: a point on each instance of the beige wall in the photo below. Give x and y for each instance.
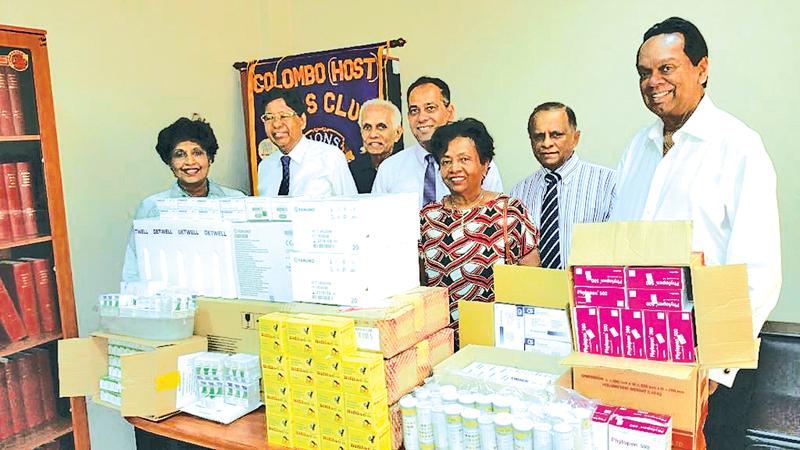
(123, 70)
(503, 58)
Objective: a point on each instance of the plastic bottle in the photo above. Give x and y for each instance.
(501, 404)
(504, 431)
(449, 397)
(484, 403)
(408, 410)
(467, 400)
(454, 428)
(584, 416)
(543, 437)
(562, 437)
(439, 426)
(486, 425)
(471, 430)
(425, 425)
(519, 409)
(523, 434)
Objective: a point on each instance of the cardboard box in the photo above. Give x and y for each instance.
(262, 250)
(656, 278)
(150, 379)
(408, 369)
(547, 323)
(548, 347)
(231, 325)
(509, 326)
(599, 296)
(658, 299)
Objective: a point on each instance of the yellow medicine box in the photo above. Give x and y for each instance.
(277, 392)
(304, 396)
(370, 440)
(271, 376)
(364, 373)
(333, 336)
(334, 435)
(273, 325)
(306, 433)
(330, 401)
(327, 367)
(278, 438)
(276, 361)
(269, 346)
(329, 383)
(279, 423)
(279, 409)
(300, 363)
(366, 407)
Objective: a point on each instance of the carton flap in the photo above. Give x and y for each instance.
(531, 286)
(663, 243)
(724, 317)
(672, 370)
(475, 323)
(135, 340)
(81, 364)
(138, 384)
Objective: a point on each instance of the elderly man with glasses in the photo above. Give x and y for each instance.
(303, 167)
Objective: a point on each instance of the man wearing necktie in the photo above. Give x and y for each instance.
(566, 190)
(414, 169)
(302, 167)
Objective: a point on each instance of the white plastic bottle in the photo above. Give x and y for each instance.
(486, 425)
(439, 426)
(484, 403)
(504, 431)
(408, 411)
(425, 425)
(501, 404)
(562, 437)
(471, 430)
(449, 397)
(454, 427)
(467, 400)
(542, 436)
(523, 434)
(584, 416)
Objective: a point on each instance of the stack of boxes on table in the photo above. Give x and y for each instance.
(648, 319)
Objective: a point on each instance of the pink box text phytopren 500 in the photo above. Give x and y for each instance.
(632, 334)
(607, 297)
(610, 331)
(657, 339)
(655, 277)
(681, 336)
(605, 276)
(587, 329)
(660, 299)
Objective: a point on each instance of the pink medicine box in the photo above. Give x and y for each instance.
(660, 299)
(587, 331)
(681, 336)
(633, 334)
(656, 277)
(606, 276)
(656, 335)
(607, 297)
(610, 331)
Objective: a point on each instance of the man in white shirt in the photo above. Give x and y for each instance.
(303, 167)
(567, 189)
(381, 127)
(699, 163)
(413, 169)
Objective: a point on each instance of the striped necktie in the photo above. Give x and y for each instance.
(549, 243)
(429, 188)
(284, 187)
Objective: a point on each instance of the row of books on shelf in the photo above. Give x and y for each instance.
(12, 118)
(27, 299)
(27, 392)
(17, 203)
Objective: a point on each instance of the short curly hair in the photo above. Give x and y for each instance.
(468, 128)
(184, 129)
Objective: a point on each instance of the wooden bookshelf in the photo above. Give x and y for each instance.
(28, 343)
(38, 436)
(24, 53)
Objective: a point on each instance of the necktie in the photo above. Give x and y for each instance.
(284, 189)
(429, 190)
(549, 245)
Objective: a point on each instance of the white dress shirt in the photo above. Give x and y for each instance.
(405, 172)
(585, 195)
(719, 175)
(315, 169)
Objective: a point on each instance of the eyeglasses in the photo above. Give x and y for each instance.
(282, 116)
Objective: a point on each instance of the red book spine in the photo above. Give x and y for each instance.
(17, 116)
(48, 393)
(14, 201)
(6, 121)
(18, 423)
(10, 320)
(31, 389)
(19, 274)
(26, 198)
(5, 217)
(45, 293)
(6, 427)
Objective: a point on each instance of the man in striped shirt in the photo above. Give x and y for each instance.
(579, 191)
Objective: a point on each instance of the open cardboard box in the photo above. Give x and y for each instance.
(723, 320)
(150, 380)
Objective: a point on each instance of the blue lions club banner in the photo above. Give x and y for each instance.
(333, 83)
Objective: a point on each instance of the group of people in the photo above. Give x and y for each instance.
(696, 162)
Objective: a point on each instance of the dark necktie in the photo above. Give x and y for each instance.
(549, 245)
(429, 190)
(284, 189)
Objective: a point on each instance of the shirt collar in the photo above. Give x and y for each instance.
(299, 151)
(696, 126)
(213, 190)
(566, 170)
(420, 153)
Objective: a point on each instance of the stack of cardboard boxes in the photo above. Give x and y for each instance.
(670, 382)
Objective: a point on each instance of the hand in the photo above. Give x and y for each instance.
(712, 387)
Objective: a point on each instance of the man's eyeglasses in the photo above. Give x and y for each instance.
(282, 116)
